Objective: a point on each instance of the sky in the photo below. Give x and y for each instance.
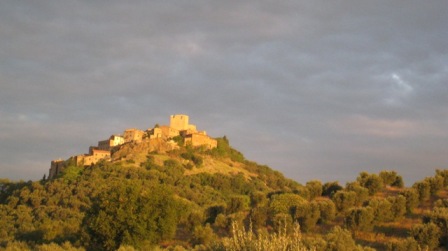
(314, 89)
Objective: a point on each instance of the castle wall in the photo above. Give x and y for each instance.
(197, 139)
(95, 156)
(56, 167)
(169, 132)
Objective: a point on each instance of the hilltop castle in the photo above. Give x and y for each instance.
(179, 126)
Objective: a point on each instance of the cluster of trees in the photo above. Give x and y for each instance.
(108, 206)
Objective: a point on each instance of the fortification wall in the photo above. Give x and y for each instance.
(197, 139)
(56, 167)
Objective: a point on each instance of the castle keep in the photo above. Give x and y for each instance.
(179, 127)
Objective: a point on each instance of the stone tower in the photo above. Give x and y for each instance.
(179, 122)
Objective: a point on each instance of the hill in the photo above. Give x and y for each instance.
(152, 194)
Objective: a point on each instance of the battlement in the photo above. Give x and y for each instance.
(179, 122)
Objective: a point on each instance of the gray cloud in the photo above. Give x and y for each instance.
(313, 89)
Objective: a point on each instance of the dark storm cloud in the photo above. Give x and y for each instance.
(314, 89)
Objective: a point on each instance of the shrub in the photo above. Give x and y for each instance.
(247, 240)
(339, 239)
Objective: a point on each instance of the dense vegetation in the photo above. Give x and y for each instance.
(171, 201)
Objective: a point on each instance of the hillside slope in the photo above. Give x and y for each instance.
(180, 198)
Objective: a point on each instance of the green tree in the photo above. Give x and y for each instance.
(130, 214)
(427, 235)
(327, 210)
(391, 178)
(362, 193)
(285, 203)
(412, 199)
(444, 175)
(330, 188)
(339, 239)
(423, 189)
(408, 244)
(398, 206)
(435, 184)
(382, 209)
(343, 200)
(307, 214)
(237, 204)
(370, 181)
(439, 216)
(441, 203)
(259, 217)
(203, 235)
(314, 188)
(360, 218)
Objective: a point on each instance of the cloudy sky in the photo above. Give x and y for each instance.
(314, 89)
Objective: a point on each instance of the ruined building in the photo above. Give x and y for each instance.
(179, 126)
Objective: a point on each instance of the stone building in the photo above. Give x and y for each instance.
(93, 157)
(133, 134)
(108, 144)
(155, 133)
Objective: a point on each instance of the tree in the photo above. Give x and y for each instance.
(259, 217)
(408, 244)
(314, 188)
(423, 189)
(439, 216)
(307, 214)
(237, 203)
(412, 199)
(370, 181)
(339, 239)
(441, 203)
(398, 206)
(382, 209)
(360, 218)
(362, 193)
(203, 235)
(327, 210)
(435, 184)
(130, 214)
(444, 175)
(391, 178)
(285, 203)
(343, 200)
(427, 235)
(330, 188)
